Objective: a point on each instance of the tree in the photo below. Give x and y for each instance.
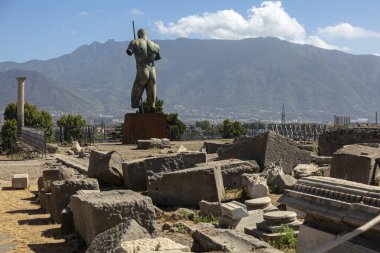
(72, 125)
(203, 124)
(231, 129)
(33, 117)
(158, 106)
(9, 133)
(175, 126)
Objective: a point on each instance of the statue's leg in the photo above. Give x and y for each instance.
(142, 76)
(151, 88)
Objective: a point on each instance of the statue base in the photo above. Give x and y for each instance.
(140, 126)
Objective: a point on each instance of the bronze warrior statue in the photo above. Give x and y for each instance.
(146, 53)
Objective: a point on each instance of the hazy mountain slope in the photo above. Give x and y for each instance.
(42, 91)
(246, 75)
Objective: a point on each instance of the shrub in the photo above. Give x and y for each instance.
(72, 125)
(9, 133)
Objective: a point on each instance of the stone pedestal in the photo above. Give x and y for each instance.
(138, 126)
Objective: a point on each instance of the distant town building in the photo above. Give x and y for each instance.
(341, 120)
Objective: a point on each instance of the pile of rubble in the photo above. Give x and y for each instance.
(115, 206)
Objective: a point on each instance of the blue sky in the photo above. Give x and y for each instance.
(44, 29)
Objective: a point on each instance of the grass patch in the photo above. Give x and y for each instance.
(206, 219)
(287, 242)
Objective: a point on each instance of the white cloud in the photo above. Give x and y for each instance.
(347, 31)
(83, 14)
(269, 19)
(135, 11)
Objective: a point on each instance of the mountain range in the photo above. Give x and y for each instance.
(242, 79)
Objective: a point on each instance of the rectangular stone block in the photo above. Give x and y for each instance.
(156, 165)
(209, 208)
(20, 181)
(266, 148)
(232, 172)
(356, 163)
(187, 187)
(134, 175)
(192, 158)
(61, 191)
(212, 147)
(98, 212)
(234, 210)
(142, 126)
(45, 199)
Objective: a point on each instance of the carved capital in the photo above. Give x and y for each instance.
(21, 79)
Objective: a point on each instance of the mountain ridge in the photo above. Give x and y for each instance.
(253, 77)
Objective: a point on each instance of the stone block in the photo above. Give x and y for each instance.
(143, 126)
(323, 160)
(67, 222)
(356, 163)
(87, 191)
(190, 159)
(272, 171)
(305, 170)
(20, 181)
(134, 175)
(254, 185)
(63, 190)
(76, 147)
(157, 165)
(266, 148)
(234, 210)
(106, 167)
(282, 182)
(212, 147)
(45, 200)
(97, 212)
(187, 187)
(111, 239)
(52, 148)
(232, 171)
(207, 208)
(147, 144)
(332, 140)
(147, 245)
(40, 183)
(52, 175)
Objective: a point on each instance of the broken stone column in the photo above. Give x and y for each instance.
(272, 226)
(20, 102)
(263, 203)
